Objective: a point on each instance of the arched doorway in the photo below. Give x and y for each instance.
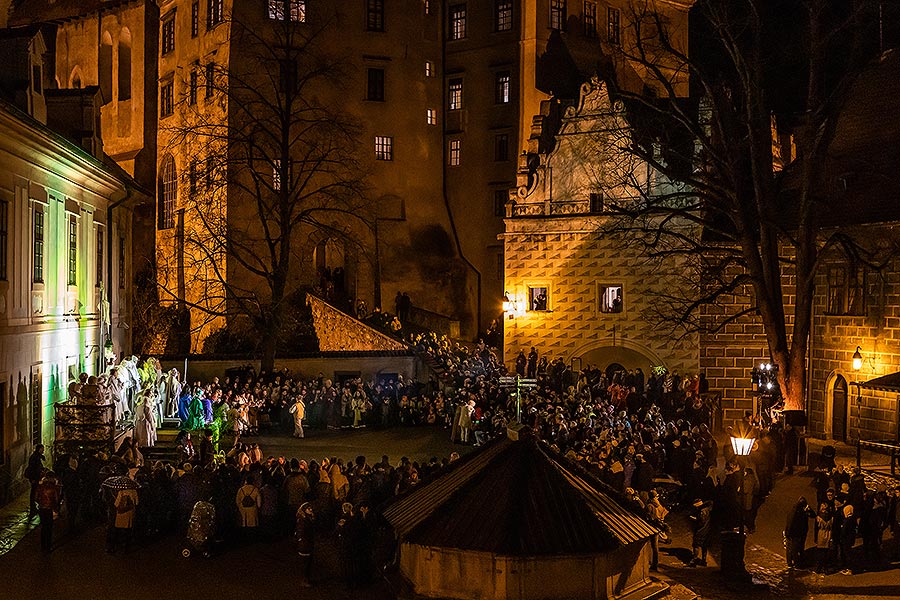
(612, 369)
(839, 409)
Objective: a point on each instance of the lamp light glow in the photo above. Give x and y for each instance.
(741, 445)
(857, 359)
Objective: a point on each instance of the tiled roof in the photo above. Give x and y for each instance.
(516, 499)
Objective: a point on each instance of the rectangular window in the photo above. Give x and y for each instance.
(846, 287)
(590, 19)
(4, 238)
(192, 177)
(210, 172)
(613, 35)
(195, 18)
(454, 154)
(215, 13)
(430, 116)
(596, 202)
(38, 253)
(99, 281)
(167, 99)
(37, 83)
(375, 85)
(384, 147)
(194, 83)
(500, 199)
(276, 174)
(501, 88)
(427, 4)
(72, 278)
(168, 35)
(558, 15)
(501, 147)
(122, 263)
(455, 94)
(503, 15)
(457, 22)
(538, 298)
(610, 297)
(374, 15)
(210, 79)
(429, 68)
(288, 10)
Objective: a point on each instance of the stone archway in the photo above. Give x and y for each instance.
(837, 407)
(605, 352)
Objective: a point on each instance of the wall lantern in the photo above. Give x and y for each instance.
(857, 359)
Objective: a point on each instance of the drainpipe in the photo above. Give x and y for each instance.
(109, 268)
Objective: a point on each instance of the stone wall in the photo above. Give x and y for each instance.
(571, 258)
(339, 332)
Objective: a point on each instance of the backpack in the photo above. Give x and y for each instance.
(126, 504)
(247, 501)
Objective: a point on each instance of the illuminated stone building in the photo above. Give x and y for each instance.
(65, 238)
(583, 295)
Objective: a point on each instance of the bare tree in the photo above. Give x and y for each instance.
(272, 169)
(741, 211)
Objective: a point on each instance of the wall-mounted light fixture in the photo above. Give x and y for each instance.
(857, 359)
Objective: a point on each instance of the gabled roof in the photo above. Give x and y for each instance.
(516, 499)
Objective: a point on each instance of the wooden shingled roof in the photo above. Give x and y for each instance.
(516, 498)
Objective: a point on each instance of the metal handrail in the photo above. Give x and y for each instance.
(891, 448)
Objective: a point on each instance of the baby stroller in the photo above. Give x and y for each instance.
(201, 528)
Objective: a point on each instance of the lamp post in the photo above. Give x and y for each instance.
(734, 542)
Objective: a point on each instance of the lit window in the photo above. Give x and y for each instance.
(455, 94)
(429, 68)
(72, 278)
(454, 154)
(276, 174)
(375, 85)
(384, 147)
(590, 19)
(458, 22)
(215, 12)
(501, 88)
(374, 15)
(4, 238)
(610, 298)
(288, 10)
(38, 254)
(503, 15)
(427, 4)
(558, 14)
(168, 35)
(99, 257)
(613, 35)
(538, 298)
(195, 18)
(431, 116)
(167, 99)
(501, 147)
(168, 194)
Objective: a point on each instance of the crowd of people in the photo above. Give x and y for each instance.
(648, 437)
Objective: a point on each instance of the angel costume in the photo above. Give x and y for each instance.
(145, 422)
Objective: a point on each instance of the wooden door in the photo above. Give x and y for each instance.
(839, 410)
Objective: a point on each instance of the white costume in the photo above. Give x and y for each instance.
(145, 422)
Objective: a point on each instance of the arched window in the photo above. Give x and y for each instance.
(75, 78)
(124, 64)
(168, 193)
(105, 67)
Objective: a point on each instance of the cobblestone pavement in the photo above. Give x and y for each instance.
(14, 523)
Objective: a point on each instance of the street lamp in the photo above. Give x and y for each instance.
(857, 359)
(734, 542)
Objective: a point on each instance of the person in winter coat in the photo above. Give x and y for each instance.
(303, 535)
(749, 493)
(299, 412)
(795, 531)
(47, 496)
(824, 524)
(701, 529)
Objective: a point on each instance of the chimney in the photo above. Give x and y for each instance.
(75, 113)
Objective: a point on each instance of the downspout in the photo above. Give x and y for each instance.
(459, 250)
(109, 265)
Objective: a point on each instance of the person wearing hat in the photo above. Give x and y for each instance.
(700, 528)
(303, 536)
